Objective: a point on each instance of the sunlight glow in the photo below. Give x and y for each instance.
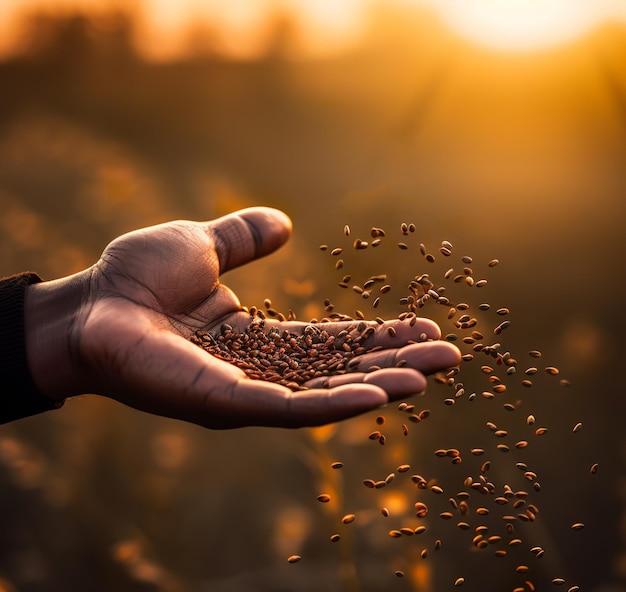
(524, 25)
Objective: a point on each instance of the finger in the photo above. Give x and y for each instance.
(248, 234)
(396, 382)
(259, 403)
(428, 357)
(377, 333)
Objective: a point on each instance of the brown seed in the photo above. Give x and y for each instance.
(335, 537)
(436, 489)
(346, 230)
(336, 251)
(541, 431)
(420, 529)
(403, 468)
(407, 531)
(336, 465)
(424, 553)
(594, 468)
(552, 370)
(521, 444)
(578, 526)
(534, 353)
(430, 258)
(385, 512)
(323, 497)
(459, 582)
(395, 534)
(294, 559)
(558, 581)
(348, 518)
(467, 259)
(403, 246)
(375, 435)
(577, 427)
(323, 247)
(399, 573)
(493, 262)
(481, 283)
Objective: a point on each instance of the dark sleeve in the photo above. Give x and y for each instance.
(19, 397)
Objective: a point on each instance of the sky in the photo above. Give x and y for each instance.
(328, 26)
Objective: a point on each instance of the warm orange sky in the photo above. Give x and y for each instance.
(327, 26)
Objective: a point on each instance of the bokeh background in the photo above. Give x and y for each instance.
(499, 126)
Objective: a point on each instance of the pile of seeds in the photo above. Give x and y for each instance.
(287, 358)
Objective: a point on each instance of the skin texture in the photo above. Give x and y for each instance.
(121, 328)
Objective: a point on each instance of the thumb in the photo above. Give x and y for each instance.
(248, 234)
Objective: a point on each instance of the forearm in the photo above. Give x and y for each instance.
(52, 311)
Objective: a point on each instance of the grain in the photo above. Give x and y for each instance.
(348, 518)
(294, 558)
(334, 538)
(459, 582)
(323, 497)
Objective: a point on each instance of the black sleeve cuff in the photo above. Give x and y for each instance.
(19, 397)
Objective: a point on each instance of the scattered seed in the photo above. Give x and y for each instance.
(294, 559)
(336, 465)
(578, 526)
(323, 497)
(594, 468)
(348, 518)
(459, 582)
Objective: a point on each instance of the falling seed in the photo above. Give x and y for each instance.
(493, 262)
(336, 251)
(348, 518)
(552, 370)
(534, 353)
(403, 468)
(578, 526)
(594, 468)
(385, 512)
(399, 573)
(558, 581)
(346, 230)
(336, 465)
(403, 246)
(424, 553)
(323, 497)
(436, 489)
(484, 306)
(395, 534)
(541, 431)
(335, 537)
(577, 427)
(459, 582)
(430, 258)
(323, 247)
(467, 259)
(481, 283)
(294, 559)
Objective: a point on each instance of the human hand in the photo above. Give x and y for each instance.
(121, 329)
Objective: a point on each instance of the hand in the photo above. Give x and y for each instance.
(121, 329)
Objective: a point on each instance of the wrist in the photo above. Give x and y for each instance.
(52, 312)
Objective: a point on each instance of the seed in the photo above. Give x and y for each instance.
(577, 427)
(502, 447)
(405, 429)
(339, 264)
(407, 531)
(541, 431)
(527, 383)
(445, 252)
(552, 370)
(534, 353)
(411, 227)
(336, 251)
(477, 451)
(466, 259)
(399, 573)
(323, 247)
(348, 518)
(459, 582)
(530, 420)
(594, 468)
(574, 589)
(346, 230)
(424, 553)
(395, 534)
(578, 526)
(294, 559)
(481, 283)
(502, 311)
(335, 537)
(385, 512)
(403, 468)
(375, 435)
(493, 262)
(391, 331)
(323, 497)
(521, 444)
(420, 529)
(436, 489)
(336, 465)
(430, 258)
(558, 581)
(403, 246)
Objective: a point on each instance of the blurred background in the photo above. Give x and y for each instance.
(497, 125)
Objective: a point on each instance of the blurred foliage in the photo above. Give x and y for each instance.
(516, 157)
